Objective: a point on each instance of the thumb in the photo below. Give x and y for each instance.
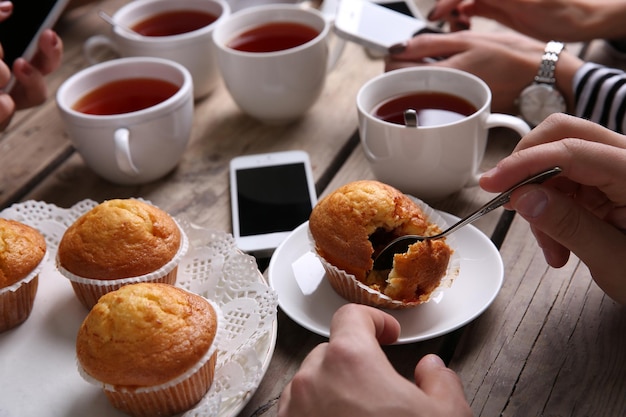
(440, 382)
(592, 239)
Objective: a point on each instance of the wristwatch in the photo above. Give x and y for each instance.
(541, 98)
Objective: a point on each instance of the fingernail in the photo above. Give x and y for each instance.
(435, 360)
(532, 203)
(398, 48)
(490, 173)
(6, 6)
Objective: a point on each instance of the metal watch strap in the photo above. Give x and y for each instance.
(545, 75)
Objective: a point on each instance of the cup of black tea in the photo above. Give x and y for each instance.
(424, 129)
(130, 118)
(274, 59)
(179, 30)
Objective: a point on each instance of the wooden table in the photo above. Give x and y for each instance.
(551, 344)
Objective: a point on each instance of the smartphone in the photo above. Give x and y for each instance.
(271, 194)
(378, 26)
(20, 33)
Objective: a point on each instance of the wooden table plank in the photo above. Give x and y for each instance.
(551, 344)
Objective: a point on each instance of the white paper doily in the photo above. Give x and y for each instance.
(213, 267)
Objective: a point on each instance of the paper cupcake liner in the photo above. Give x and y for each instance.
(171, 397)
(353, 290)
(17, 300)
(89, 290)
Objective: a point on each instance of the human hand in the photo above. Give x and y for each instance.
(583, 210)
(30, 88)
(563, 20)
(351, 376)
(507, 62)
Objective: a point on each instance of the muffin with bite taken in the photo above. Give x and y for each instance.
(151, 347)
(22, 252)
(351, 225)
(119, 242)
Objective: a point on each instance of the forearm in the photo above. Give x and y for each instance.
(599, 94)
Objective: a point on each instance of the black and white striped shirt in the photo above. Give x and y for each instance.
(600, 95)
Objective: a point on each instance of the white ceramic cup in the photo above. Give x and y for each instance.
(275, 87)
(135, 147)
(429, 162)
(193, 49)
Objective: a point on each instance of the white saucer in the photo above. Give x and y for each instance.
(307, 298)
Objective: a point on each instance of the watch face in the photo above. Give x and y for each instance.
(538, 101)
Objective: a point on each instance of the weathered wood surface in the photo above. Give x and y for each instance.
(551, 344)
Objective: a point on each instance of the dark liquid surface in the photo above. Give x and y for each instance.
(272, 37)
(125, 96)
(174, 23)
(433, 108)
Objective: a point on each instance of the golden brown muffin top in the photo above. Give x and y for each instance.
(21, 249)
(119, 238)
(342, 222)
(145, 334)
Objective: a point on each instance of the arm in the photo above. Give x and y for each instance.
(584, 209)
(563, 20)
(30, 89)
(351, 376)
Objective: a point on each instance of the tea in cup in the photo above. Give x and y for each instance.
(179, 30)
(130, 118)
(424, 129)
(274, 59)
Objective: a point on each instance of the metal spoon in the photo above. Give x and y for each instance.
(384, 260)
(113, 23)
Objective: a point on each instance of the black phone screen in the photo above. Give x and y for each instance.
(400, 7)
(22, 26)
(272, 199)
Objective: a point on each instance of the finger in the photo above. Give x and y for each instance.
(582, 161)
(364, 324)
(592, 239)
(442, 9)
(30, 89)
(310, 364)
(49, 54)
(559, 126)
(6, 8)
(556, 255)
(7, 109)
(439, 382)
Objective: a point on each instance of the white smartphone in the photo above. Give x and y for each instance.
(20, 33)
(271, 194)
(378, 26)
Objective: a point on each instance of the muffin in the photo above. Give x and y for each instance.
(120, 242)
(354, 223)
(22, 251)
(151, 347)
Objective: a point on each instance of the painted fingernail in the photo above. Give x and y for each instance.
(532, 204)
(398, 48)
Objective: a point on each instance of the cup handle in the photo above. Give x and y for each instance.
(122, 152)
(96, 43)
(502, 120)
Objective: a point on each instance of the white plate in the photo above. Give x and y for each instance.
(307, 298)
(38, 373)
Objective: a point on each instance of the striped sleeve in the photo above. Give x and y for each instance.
(600, 95)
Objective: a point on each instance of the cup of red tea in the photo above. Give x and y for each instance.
(274, 59)
(424, 129)
(179, 30)
(130, 118)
